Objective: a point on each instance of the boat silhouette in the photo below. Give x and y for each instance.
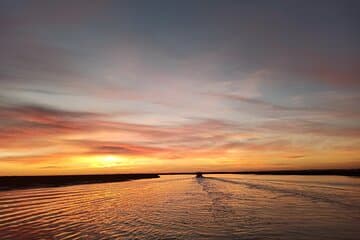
(199, 175)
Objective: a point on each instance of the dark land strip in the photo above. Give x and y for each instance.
(314, 172)
(23, 182)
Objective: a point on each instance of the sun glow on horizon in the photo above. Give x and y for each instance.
(105, 161)
(109, 161)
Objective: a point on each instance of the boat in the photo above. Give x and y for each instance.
(199, 175)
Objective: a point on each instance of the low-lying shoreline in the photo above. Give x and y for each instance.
(24, 182)
(310, 172)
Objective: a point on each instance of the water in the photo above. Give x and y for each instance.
(183, 207)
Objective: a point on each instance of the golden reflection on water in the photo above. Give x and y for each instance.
(182, 207)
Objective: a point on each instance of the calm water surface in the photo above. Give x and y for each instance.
(183, 207)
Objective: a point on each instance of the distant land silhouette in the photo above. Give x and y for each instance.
(21, 182)
(338, 172)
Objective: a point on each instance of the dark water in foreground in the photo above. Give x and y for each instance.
(182, 207)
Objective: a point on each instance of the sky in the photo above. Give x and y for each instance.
(172, 86)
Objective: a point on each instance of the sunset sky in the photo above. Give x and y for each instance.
(167, 86)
